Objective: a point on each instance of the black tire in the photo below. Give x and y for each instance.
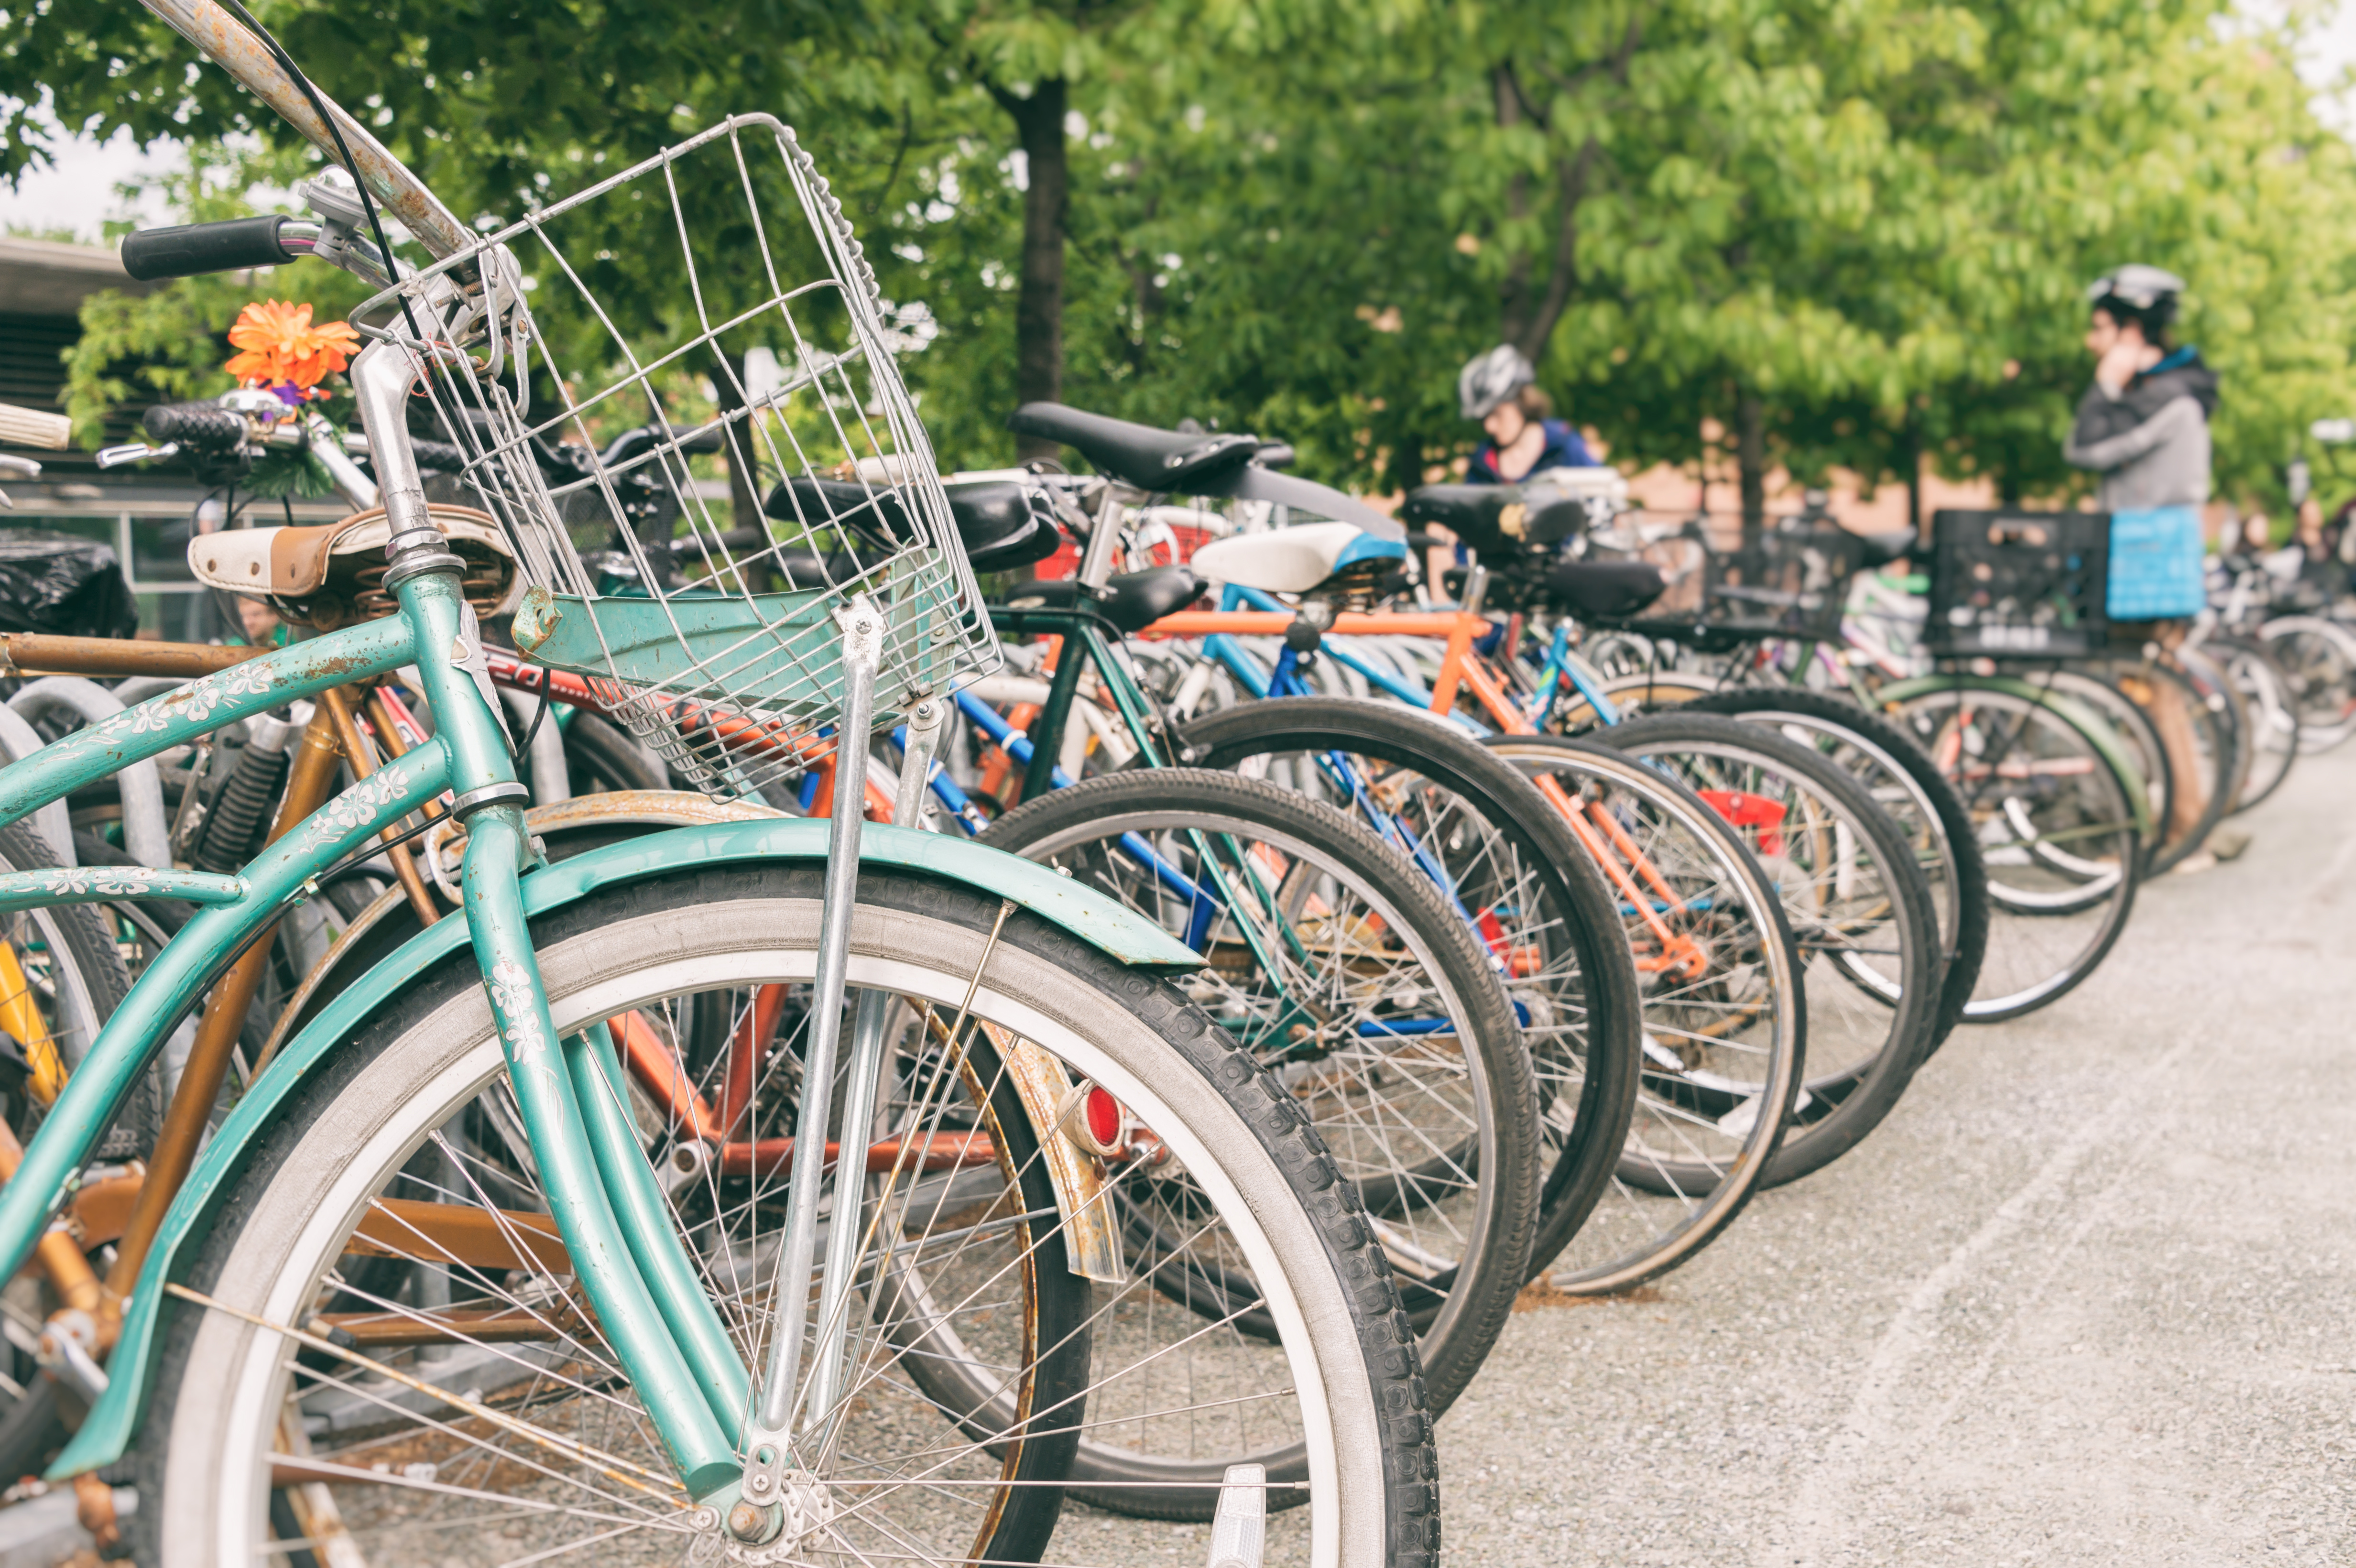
(2223, 697)
(76, 979)
(1483, 1187)
(69, 958)
(600, 757)
(2267, 689)
(2213, 736)
(438, 1031)
(1586, 1125)
(32, 1429)
(1958, 872)
(1847, 1094)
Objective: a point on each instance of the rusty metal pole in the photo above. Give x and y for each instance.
(33, 653)
(307, 785)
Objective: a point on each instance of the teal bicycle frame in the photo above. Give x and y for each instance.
(694, 1383)
(678, 1355)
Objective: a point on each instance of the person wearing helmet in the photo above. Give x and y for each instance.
(2143, 425)
(1501, 390)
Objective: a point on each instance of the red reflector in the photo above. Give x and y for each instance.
(1745, 810)
(1104, 1117)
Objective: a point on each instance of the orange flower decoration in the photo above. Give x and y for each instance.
(281, 346)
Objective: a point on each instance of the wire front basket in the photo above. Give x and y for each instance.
(1790, 581)
(675, 392)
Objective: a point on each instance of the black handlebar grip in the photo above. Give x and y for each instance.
(438, 455)
(207, 426)
(192, 250)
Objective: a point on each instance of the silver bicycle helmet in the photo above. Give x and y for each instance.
(2140, 288)
(1491, 380)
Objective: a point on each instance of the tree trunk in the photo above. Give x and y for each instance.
(1914, 471)
(743, 447)
(1750, 455)
(1527, 312)
(1515, 304)
(1039, 307)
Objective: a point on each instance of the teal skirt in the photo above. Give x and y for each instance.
(2156, 565)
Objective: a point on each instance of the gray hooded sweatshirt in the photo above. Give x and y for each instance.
(2150, 440)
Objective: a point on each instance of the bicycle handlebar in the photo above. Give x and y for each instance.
(193, 249)
(206, 426)
(221, 39)
(438, 455)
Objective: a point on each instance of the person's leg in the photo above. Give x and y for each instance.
(2188, 795)
(2164, 700)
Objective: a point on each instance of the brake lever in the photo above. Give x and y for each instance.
(137, 451)
(15, 468)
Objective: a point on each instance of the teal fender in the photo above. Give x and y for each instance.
(1085, 913)
(2092, 725)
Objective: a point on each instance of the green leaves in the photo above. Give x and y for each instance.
(1876, 217)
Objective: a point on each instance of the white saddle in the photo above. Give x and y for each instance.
(1293, 561)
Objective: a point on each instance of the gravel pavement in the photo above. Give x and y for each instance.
(2088, 1296)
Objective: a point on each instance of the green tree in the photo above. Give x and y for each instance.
(1851, 235)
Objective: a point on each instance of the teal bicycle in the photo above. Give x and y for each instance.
(447, 1264)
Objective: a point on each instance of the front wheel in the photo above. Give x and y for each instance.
(1335, 963)
(2058, 829)
(393, 1210)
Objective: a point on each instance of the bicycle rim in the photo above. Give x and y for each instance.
(1724, 1020)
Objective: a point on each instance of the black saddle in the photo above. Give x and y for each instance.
(1001, 522)
(1152, 460)
(809, 569)
(875, 514)
(1604, 590)
(1138, 598)
(1494, 519)
(1880, 550)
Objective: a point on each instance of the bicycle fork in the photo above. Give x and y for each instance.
(776, 1493)
(670, 1342)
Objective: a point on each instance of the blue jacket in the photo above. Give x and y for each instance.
(1563, 448)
